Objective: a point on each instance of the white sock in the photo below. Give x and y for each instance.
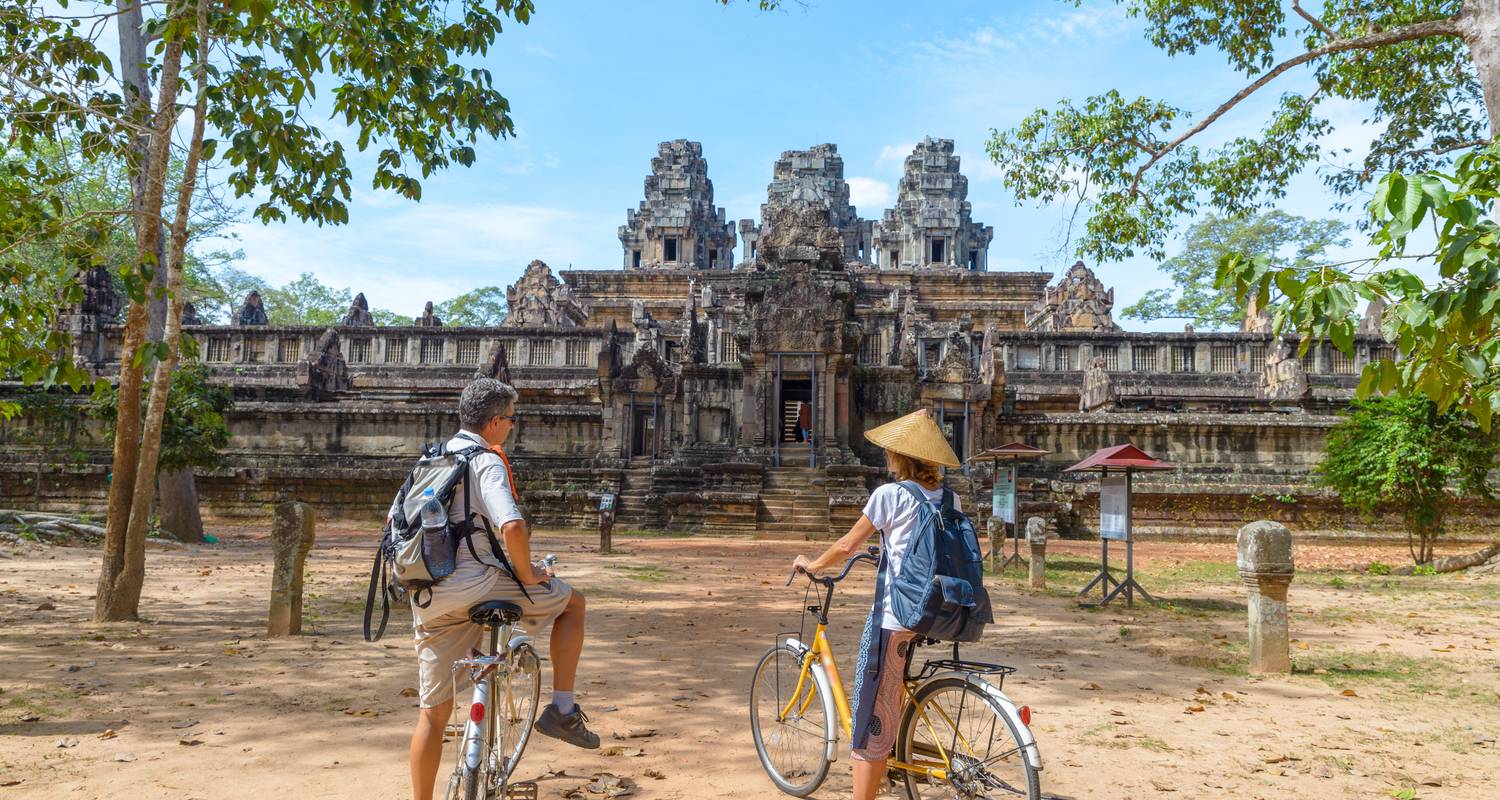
(564, 702)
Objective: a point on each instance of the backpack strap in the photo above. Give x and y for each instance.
(489, 532)
(948, 505)
(378, 579)
(915, 490)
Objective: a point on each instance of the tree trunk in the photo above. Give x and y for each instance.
(1481, 27)
(161, 379)
(136, 82)
(124, 559)
(177, 503)
(1456, 563)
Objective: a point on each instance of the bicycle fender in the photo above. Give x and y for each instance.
(518, 640)
(820, 675)
(1028, 741)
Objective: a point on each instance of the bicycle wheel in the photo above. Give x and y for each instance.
(795, 748)
(513, 711)
(953, 718)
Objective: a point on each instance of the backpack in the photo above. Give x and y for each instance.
(939, 592)
(406, 565)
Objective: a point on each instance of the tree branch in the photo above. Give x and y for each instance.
(1448, 26)
(1316, 23)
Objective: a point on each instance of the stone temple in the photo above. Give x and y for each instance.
(721, 378)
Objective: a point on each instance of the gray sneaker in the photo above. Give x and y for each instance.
(569, 727)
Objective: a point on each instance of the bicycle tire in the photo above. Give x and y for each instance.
(781, 665)
(973, 700)
(520, 723)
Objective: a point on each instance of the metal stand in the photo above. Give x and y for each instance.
(1012, 530)
(1130, 586)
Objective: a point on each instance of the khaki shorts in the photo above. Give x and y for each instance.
(446, 639)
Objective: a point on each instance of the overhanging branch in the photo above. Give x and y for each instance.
(1448, 26)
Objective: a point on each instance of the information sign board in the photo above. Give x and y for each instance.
(1114, 507)
(1003, 501)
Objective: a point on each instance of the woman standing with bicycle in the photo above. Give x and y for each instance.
(915, 450)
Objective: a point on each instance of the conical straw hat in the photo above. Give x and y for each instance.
(915, 435)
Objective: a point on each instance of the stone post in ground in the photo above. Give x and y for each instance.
(292, 535)
(1036, 541)
(1265, 564)
(997, 542)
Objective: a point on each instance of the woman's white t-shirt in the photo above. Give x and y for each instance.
(893, 511)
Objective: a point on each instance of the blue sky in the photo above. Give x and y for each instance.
(594, 86)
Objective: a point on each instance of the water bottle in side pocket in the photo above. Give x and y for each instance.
(438, 547)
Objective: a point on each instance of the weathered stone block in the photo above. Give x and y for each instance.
(292, 533)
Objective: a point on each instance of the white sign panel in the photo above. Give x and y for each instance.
(1113, 508)
(1003, 501)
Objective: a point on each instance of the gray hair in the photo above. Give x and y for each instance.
(482, 400)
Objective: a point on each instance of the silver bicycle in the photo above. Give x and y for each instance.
(502, 709)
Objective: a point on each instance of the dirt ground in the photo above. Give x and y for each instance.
(1396, 691)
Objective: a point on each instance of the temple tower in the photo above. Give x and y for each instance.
(931, 226)
(677, 225)
(814, 176)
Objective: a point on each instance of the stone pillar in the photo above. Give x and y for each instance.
(1036, 541)
(291, 538)
(1265, 564)
(996, 530)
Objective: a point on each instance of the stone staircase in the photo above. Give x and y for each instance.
(793, 504)
(633, 509)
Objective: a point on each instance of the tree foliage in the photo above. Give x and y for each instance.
(1405, 454)
(1134, 160)
(481, 307)
(194, 431)
(1448, 332)
(1288, 241)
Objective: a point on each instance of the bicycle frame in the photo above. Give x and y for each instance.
(484, 669)
(820, 653)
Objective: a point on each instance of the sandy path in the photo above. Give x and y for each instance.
(202, 705)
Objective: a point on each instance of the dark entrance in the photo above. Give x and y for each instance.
(643, 433)
(796, 409)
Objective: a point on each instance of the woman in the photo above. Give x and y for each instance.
(915, 450)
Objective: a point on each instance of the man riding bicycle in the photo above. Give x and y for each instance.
(443, 630)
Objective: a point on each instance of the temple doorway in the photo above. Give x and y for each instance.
(643, 433)
(796, 410)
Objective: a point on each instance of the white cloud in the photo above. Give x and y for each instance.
(892, 157)
(981, 43)
(870, 195)
(538, 51)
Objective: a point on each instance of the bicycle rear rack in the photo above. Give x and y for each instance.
(994, 672)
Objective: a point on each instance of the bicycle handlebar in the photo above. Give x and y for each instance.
(871, 553)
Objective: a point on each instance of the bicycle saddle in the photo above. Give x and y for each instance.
(493, 613)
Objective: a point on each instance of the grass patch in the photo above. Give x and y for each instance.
(47, 702)
(653, 534)
(1343, 667)
(1169, 576)
(1115, 737)
(646, 574)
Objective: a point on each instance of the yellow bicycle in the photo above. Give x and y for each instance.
(960, 736)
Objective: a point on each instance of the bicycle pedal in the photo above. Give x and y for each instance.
(525, 790)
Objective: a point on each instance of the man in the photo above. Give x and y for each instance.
(444, 634)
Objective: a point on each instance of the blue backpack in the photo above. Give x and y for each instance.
(940, 592)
